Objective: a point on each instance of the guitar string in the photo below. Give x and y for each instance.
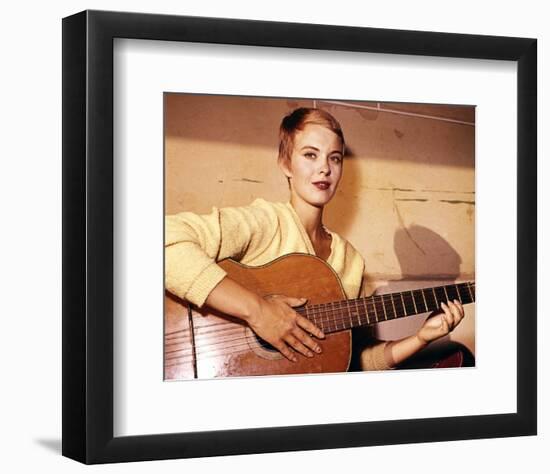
(203, 336)
(210, 325)
(175, 364)
(208, 354)
(211, 353)
(202, 350)
(322, 316)
(205, 346)
(323, 310)
(329, 311)
(206, 342)
(337, 320)
(207, 350)
(204, 330)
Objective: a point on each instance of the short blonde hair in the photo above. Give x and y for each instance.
(296, 121)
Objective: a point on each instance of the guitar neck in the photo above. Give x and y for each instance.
(347, 314)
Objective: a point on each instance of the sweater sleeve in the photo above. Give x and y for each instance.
(194, 243)
(373, 356)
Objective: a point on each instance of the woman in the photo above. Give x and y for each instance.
(311, 156)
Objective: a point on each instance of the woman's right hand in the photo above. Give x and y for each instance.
(278, 324)
(272, 317)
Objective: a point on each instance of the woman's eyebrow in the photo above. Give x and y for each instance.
(310, 146)
(317, 149)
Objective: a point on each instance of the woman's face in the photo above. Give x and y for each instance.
(315, 166)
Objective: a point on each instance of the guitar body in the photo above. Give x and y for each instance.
(202, 343)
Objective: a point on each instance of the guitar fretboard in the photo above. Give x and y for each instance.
(347, 314)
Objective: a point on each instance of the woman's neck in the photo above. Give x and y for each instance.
(311, 218)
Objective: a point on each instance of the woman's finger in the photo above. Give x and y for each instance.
(306, 340)
(308, 326)
(446, 318)
(444, 324)
(285, 350)
(460, 308)
(455, 312)
(298, 346)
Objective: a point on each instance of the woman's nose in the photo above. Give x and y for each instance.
(324, 167)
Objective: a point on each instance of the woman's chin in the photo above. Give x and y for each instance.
(316, 199)
(318, 202)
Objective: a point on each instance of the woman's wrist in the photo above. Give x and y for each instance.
(252, 307)
(420, 340)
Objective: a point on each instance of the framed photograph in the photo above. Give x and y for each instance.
(196, 149)
(228, 145)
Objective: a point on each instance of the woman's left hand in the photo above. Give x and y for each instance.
(439, 323)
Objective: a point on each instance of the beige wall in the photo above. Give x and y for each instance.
(406, 200)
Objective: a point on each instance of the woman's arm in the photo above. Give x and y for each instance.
(194, 243)
(389, 354)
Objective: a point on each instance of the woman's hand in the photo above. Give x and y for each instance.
(282, 327)
(272, 318)
(439, 323)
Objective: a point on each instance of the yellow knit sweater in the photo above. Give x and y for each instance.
(253, 235)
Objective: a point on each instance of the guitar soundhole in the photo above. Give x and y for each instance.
(266, 345)
(262, 348)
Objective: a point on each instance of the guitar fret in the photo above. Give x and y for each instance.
(458, 293)
(366, 309)
(327, 315)
(414, 303)
(307, 316)
(469, 291)
(369, 312)
(407, 295)
(371, 301)
(435, 299)
(417, 296)
(430, 300)
(442, 296)
(425, 304)
(453, 292)
(403, 301)
(399, 301)
(449, 291)
(331, 316)
(320, 316)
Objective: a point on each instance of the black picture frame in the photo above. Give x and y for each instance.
(88, 236)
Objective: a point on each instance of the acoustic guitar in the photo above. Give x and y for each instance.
(204, 343)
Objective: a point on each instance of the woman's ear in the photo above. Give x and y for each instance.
(284, 164)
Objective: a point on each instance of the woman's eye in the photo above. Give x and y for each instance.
(336, 158)
(310, 155)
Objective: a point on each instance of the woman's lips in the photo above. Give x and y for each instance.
(323, 185)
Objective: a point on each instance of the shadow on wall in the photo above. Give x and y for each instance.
(422, 253)
(426, 259)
